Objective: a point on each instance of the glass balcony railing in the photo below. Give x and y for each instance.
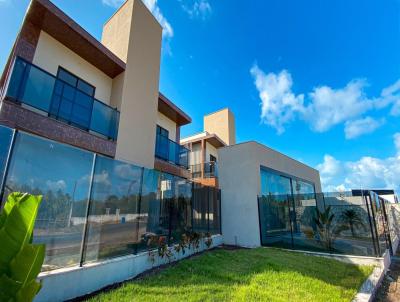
(35, 87)
(172, 152)
(210, 170)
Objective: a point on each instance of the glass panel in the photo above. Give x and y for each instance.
(200, 208)
(5, 139)
(16, 80)
(350, 224)
(104, 120)
(113, 218)
(162, 147)
(214, 208)
(85, 87)
(34, 87)
(67, 77)
(61, 174)
(150, 209)
(37, 89)
(275, 209)
(181, 210)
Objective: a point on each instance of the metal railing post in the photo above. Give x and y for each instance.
(7, 166)
(88, 206)
(139, 209)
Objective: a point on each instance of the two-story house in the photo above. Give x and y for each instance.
(219, 131)
(63, 84)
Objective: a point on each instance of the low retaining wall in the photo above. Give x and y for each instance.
(73, 282)
(368, 290)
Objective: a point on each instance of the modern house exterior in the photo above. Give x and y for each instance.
(219, 131)
(249, 170)
(102, 90)
(83, 123)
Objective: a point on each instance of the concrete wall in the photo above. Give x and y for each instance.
(50, 54)
(167, 124)
(239, 180)
(135, 36)
(74, 282)
(221, 123)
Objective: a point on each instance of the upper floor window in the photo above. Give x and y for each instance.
(213, 158)
(162, 131)
(75, 82)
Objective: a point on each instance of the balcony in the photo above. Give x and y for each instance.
(32, 86)
(172, 152)
(205, 170)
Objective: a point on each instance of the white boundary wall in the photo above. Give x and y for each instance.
(73, 282)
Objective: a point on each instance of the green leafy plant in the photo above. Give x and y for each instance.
(325, 230)
(152, 243)
(350, 220)
(182, 245)
(20, 260)
(163, 249)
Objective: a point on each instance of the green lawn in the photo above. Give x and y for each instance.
(247, 275)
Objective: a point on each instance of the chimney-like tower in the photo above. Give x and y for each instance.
(221, 123)
(134, 35)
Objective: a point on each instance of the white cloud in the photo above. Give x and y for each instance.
(362, 126)
(367, 172)
(197, 8)
(112, 3)
(127, 171)
(278, 103)
(396, 137)
(168, 31)
(324, 107)
(329, 107)
(56, 185)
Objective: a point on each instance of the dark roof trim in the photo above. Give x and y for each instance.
(173, 112)
(56, 23)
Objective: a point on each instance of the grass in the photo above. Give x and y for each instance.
(247, 275)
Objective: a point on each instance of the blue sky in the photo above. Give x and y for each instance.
(316, 80)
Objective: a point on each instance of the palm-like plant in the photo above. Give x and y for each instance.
(325, 228)
(350, 220)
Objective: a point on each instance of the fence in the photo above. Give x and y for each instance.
(329, 222)
(95, 207)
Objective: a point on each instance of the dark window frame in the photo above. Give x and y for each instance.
(78, 79)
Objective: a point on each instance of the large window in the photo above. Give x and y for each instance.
(72, 99)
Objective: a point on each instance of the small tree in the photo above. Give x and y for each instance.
(20, 260)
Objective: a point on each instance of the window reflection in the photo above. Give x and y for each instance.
(114, 214)
(61, 174)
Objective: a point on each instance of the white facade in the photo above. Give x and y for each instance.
(167, 124)
(240, 183)
(51, 54)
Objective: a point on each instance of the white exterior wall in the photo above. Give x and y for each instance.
(167, 124)
(239, 180)
(195, 154)
(50, 54)
(210, 149)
